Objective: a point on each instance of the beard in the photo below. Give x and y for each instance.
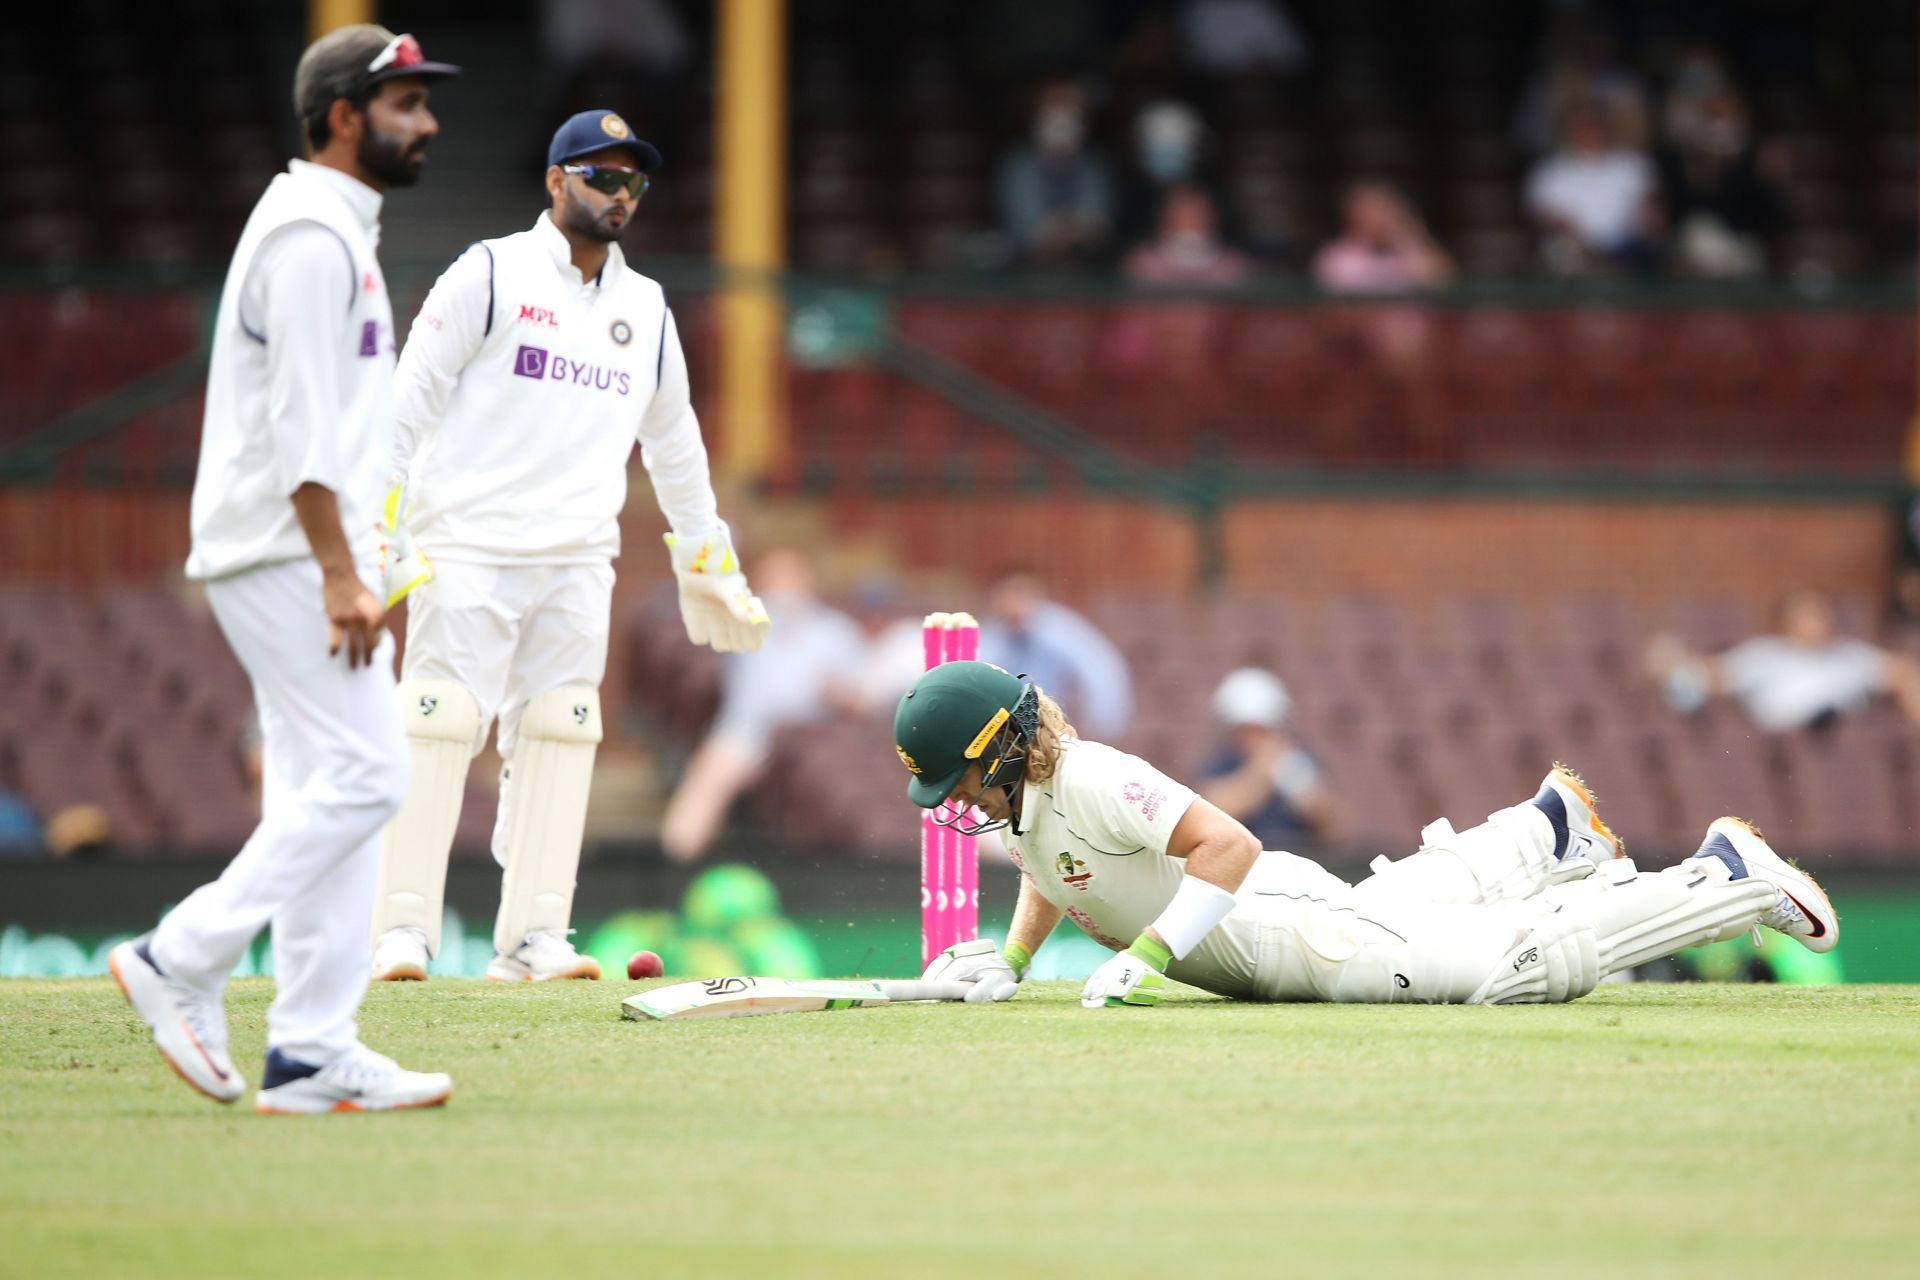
(581, 220)
(392, 162)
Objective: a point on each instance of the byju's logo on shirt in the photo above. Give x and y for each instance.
(537, 362)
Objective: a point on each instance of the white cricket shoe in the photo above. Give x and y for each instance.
(1577, 829)
(358, 1080)
(1802, 911)
(189, 1026)
(401, 956)
(542, 956)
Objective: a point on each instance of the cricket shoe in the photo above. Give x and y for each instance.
(401, 956)
(358, 1080)
(189, 1026)
(542, 956)
(1578, 831)
(1802, 910)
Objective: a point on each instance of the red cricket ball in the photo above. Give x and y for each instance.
(644, 964)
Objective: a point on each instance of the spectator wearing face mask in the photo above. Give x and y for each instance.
(1055, 193)
(1170, 152)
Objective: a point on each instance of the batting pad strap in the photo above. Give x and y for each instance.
(1197, 906)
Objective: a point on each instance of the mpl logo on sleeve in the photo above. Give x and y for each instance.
(540, 364)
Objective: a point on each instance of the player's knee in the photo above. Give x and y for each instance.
(434, 711)
(570, 713)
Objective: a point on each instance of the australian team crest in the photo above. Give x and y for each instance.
(912, 767)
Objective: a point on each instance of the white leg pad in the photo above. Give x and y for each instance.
(552, 770)
(1623, 918)
(1505, 858)
(442, 721)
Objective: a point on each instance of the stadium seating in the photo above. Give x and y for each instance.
(1456, 710)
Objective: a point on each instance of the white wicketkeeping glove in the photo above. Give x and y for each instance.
(979, 963)
(403, 566)
(715, 601)
(1127, 979)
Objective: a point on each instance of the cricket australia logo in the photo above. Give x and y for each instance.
(912, 766)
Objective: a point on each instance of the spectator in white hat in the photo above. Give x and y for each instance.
(1260, 773)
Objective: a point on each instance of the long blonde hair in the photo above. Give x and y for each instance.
(1043, 753)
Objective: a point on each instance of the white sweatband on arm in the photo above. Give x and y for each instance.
(1197, 906)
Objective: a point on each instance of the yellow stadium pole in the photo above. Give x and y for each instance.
(750, 232)
(330, 15)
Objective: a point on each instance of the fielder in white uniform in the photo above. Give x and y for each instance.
(293, 453)
(1536, 904)
(537, 361)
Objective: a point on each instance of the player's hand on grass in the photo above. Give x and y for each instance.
(353, 616)
(1134, 977)
(715, 601)
(978, 963)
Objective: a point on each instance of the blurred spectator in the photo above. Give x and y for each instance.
(895, 655)
(1581, 67)
(1722, 205)
(1187, 251)
(1259, 773)
(1056, 195)
(1383, 247)
(810, 667)
(20, 835)
(1804, 677)
(80, 831)
(1061, 651)
(1594, 200)
(1235, 37)
(1170, 153)
(635, 54)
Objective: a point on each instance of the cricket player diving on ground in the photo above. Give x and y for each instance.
(1537, 904)
(536, 362)
(293, 452)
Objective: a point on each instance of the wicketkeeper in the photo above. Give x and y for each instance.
(534, 365)
(1536, 904)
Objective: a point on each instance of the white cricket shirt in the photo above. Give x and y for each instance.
(519, 397)
(300, 381)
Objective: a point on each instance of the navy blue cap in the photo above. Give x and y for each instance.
(592, 131)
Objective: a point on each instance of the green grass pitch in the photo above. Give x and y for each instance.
(1645, 1131)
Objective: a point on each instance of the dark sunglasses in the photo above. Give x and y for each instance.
(609, 178)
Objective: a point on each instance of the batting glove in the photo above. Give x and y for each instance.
(403, 566)
(715, 601)
(979, 964)
(1134, 977)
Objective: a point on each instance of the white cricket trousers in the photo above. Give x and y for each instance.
(508, 633)
(335, 770)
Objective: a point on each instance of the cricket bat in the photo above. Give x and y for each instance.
(749, 997)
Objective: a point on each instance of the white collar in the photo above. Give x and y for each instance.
(561, 251)
(361, 198)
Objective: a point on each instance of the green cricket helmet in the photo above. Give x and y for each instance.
(958, 713)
